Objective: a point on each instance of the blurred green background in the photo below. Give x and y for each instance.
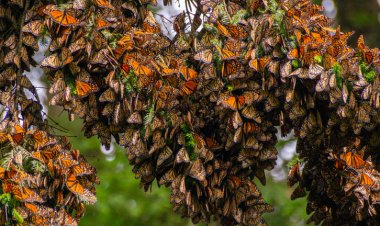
(121, 202)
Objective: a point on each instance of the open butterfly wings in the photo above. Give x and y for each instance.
(64, 18)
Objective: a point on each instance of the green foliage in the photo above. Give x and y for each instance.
(189, 139)
(17, 216)
(296, 64)
(10, 205)
(287, 213)
(318, 59)
(149, 116)
(368, 72)
(337, 72)
(130, 82)
(5, 198)
(241, 14)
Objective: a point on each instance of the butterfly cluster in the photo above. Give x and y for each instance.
(43, 181)
(200, 112)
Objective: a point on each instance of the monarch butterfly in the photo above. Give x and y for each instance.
(108, 95)
(73, 185)
(82, 169)
(232, 69)
(251, 113)
(234, 45)
(250, 127)
(259, 64)
(101, 24)
(226, 54)
(35, 28)
(231, 31)
(168, 71)
(40, 138)
(63, 218)
(26, 194)
(197, 170)
(43, 211)
(66, 161)
(204, 56)
(189, 87)
(188, 73)
(85, 88)
(252, 142)
(293, 54)
(238, 136)
(43, 156)
(58, 61)
(164, 155)
(104, 4)
(150, 24)
(365, 179)
(135, 118)
(80, 4)
(64, 18)
(208, 72)
(234, 103)
(294, 174)
(144, 2)
(140, 69)
(236, 120)
(77, 45)
(367, 53)
(323, 83)
(167, 178)
(353, 160)
(18, 134)
(314, 71)
(182, 156)
(126, 42)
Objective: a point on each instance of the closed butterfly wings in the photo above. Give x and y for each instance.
(58, 60)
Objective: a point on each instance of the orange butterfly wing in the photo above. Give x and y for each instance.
(140, 69)
(189, 87)
(84, 88)
(205, 56)
(63, 18)
(353, 160)
(234, 103)
(229, 68)
(73, 185)
(222, 29)
(101, 24)
(365, 179)
(126, 42)
(226, 54)
(188, 73)
(103, 4)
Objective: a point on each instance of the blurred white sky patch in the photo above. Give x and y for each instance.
(285, 155)
(330, 8)
(35, 76)
(169, 12)
(110, 154)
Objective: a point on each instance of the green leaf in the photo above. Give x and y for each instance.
(17, 216)
(241, 14)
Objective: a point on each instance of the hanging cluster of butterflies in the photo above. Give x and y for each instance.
(331, 100)
(43, 181)
(199, 112)
(48, 182)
